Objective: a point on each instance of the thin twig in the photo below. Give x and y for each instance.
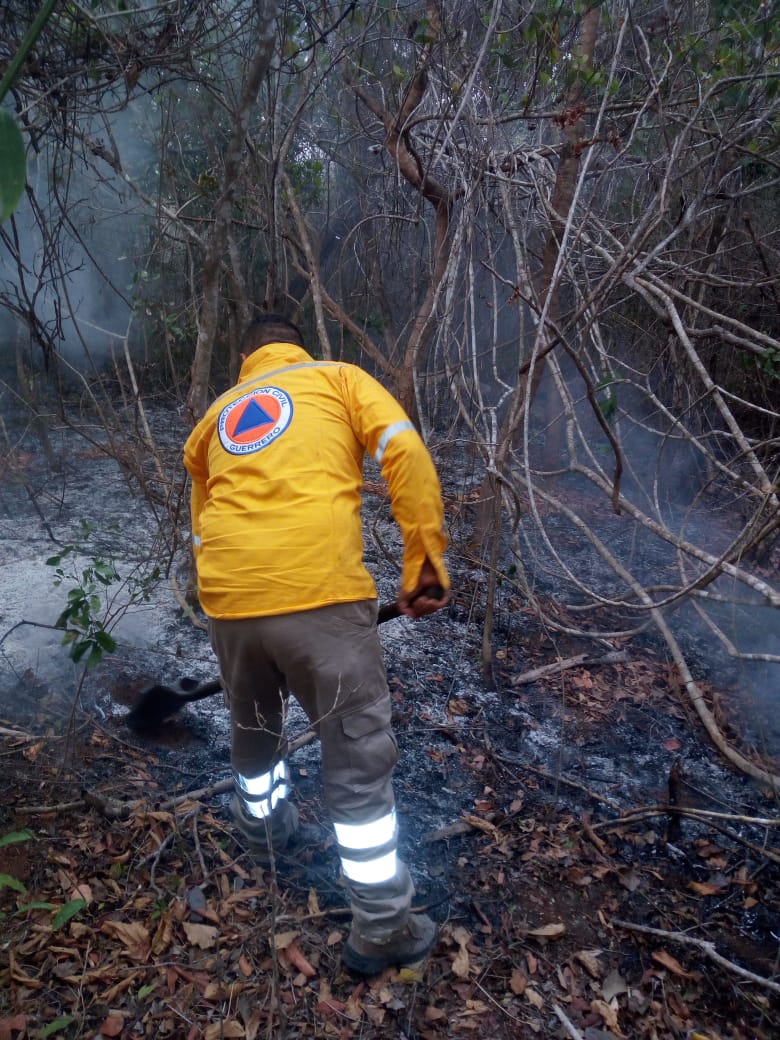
(196, 838)
(574, 1033)
(559, 779)
(704, 945)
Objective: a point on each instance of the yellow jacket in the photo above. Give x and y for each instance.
(276, 467)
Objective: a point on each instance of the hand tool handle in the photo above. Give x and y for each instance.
(389, 611)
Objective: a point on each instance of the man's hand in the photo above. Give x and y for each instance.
(415, 604)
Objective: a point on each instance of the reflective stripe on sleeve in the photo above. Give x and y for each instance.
(387, 436)
(372, 871)
(362, 836)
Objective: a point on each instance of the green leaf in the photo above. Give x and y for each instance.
(608, 406)
(54, 1027)
(33, 906)
(6, 881)
(65, 913)
(105, 641)
(13, 164)
(79, 649)
(15, 837)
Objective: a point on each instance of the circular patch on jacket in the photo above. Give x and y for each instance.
(254, 420)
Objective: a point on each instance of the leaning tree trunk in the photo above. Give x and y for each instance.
(400, 147)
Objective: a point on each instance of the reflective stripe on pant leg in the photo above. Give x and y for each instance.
(255, 693)
(332, 660)
(359, 755)
(260, 795)
(368, 850)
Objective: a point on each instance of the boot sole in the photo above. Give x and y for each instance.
(359, 964)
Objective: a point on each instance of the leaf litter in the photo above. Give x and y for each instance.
(537, 822)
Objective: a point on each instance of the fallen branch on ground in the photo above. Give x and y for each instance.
(711, 819)
(557, 778)
(16, 734)
(689, 810)
(617, 657)
(704, 945)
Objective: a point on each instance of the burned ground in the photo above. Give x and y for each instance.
(573, 898)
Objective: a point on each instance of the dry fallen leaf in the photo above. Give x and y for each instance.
(458, 706)
(298, 960)
(283, 939)
(608, 1014)
(163, 936)
(132, 934)
(460, 963)
(202, 935)
(375, 1015)
(670, 962)
(112, 1026)
(16, 1024)
(554, 930)
(473, 1007)
(518, 982)
(218, 1030)
(533, 997)
(327, 1003)
(313, 902)
(589, 959)
(707, 888)
(479, 824)
(433, 1014)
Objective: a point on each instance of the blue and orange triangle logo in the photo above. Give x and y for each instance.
(254, 420)
(254, 415)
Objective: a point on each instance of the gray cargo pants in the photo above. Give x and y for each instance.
(331, 659)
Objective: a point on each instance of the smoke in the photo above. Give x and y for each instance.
(74, 254)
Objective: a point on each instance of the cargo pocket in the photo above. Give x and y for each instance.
(358, 766)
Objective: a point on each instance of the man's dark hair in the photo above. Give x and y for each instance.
(270, 328)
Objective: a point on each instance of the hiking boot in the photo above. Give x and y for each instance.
(273, 832)
(407, 947)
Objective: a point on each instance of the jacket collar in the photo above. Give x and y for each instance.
(272, 355)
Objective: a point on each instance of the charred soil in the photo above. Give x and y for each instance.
(595, 868)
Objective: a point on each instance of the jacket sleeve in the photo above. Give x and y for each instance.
(389, 436)
(194, 462)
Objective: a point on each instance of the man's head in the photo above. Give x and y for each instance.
(269, 328)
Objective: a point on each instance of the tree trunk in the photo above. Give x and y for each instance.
(487, 526)
(198, 397)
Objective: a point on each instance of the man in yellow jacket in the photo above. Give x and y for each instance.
(276, 467)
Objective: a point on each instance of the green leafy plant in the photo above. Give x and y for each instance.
(94, 605)
(608, 402)
(8, 881)
(60, 1023)
(15, 837)
(66, 912)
